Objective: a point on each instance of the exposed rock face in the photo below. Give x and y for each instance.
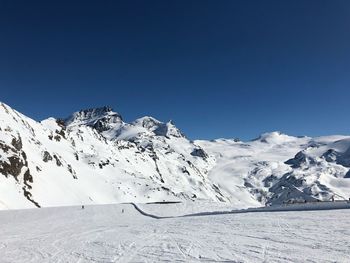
(292, 184)
(199, 152)
(12, 167)
(300, 159)
(16, 158)
(57, 159)
(17, 143)
(47, 156)
(347, 175)
(332, 155)
(13, 163)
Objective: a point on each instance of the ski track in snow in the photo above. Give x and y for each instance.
(106, 234)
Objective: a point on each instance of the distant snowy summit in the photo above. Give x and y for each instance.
(95, 157)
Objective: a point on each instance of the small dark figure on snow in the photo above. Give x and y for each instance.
(82, 207)
(123, 211)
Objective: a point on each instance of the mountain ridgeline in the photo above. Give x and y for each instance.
(95, 157)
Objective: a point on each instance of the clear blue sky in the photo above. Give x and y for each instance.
(217, 68)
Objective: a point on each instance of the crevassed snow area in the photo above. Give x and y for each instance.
(120, 233)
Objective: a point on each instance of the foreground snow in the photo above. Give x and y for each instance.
(120, 233)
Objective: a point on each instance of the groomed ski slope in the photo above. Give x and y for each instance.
(121, 233)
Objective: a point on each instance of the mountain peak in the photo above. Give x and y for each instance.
(276, 137)
(100, 118)
(147, 122)
(157, 127)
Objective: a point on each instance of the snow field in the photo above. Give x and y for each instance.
(119, 233)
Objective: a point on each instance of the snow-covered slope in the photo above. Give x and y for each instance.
(277, 168)
(120, 233)
(94, 157)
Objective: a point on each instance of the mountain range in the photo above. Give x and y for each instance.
(95, 157)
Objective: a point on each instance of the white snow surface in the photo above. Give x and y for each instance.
(121, 233)
(94, 157)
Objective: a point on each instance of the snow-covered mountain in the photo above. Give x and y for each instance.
(94, 157)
